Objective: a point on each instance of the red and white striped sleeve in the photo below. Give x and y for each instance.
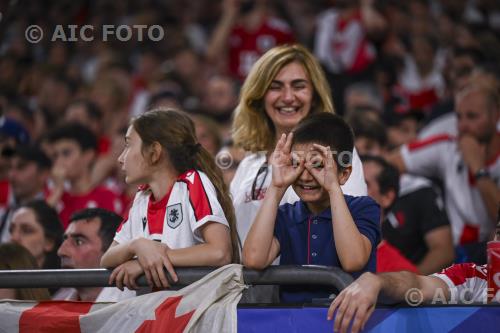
(425, 157)
(205, 206)
(467, 282)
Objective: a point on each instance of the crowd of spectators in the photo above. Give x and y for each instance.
(417, 81)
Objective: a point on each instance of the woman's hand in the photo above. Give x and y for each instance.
(284, 171)
(126, 274)
(152, 256)
(323, 168)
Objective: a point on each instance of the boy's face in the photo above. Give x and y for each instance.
(306, 186)
(68, 156)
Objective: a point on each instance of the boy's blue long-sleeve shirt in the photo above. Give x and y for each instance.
(307, 239)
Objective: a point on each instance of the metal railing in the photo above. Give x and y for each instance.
(274, 275)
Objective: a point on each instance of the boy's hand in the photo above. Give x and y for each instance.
(284, 173)
(323, 168)
(59, 174)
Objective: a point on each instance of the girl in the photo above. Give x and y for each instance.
(181, 215)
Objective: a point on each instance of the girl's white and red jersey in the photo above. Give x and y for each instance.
(176, 219)
(468, 282)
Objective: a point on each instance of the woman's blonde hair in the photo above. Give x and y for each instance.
(252, 127)
(175, 132)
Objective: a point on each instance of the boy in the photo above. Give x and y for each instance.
(74, 149)
(325, 227)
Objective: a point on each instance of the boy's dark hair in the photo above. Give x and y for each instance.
(388, 179)
(109, 223)
(369, 128)
(75, 132)
(327, 129)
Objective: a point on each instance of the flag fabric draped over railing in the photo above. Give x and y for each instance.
(208, 305)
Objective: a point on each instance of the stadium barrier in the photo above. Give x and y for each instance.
(274, 275)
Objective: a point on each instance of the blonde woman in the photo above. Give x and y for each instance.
(284, 86)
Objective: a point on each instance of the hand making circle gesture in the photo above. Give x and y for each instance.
(284, 171)
(322, 167)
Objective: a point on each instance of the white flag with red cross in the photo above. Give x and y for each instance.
(207, 305)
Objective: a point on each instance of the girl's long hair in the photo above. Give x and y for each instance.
(175, 132)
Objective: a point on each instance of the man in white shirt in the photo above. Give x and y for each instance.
(467, 165)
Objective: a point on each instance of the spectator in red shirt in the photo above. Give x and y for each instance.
(247, 30)
(343, 43)
(88, 114)
(74, 151)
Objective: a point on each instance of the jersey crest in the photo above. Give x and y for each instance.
(174, 215)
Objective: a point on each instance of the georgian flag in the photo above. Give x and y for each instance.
(208, 305)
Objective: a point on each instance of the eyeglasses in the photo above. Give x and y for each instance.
(264, 169)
